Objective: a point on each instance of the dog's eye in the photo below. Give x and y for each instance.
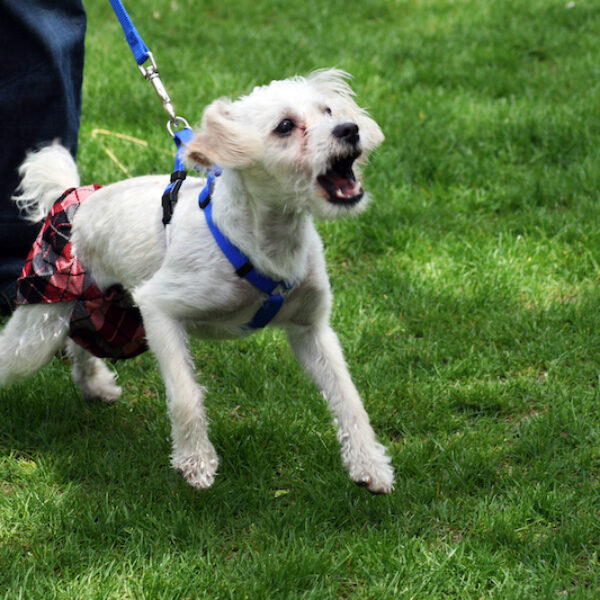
(285, 127)
(327, 111)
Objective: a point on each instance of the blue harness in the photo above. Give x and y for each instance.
(241, 263)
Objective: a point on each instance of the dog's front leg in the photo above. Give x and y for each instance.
(318, 350)
(193, 454)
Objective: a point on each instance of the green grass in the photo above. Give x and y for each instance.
(466, 299)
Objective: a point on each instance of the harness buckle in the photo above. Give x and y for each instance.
(169, 197)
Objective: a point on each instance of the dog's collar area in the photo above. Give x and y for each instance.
(274, 289)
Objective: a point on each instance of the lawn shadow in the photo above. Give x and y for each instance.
(105, 469)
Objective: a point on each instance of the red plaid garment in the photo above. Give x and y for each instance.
(106, 324)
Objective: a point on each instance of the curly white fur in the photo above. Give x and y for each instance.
(288, 152)
(45, 175)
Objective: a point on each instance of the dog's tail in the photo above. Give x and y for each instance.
(45, 175)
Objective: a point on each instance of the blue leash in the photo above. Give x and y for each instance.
(141, 53)
(240, 262)
(134, 39)
(181, 137)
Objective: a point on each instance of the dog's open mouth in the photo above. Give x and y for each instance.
(340, 183)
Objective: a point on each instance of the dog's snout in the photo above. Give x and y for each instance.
(347, 132)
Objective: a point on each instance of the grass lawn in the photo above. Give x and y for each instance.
(466, 299)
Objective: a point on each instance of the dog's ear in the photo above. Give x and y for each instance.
(223, 138)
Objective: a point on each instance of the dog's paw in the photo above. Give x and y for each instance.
(100, 389)
(377, 482)
(198, 470)
(372, 470)
(95, 380)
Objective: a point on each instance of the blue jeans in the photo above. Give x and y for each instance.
(41, 70)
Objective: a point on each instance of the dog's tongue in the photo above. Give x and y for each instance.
(342, 186)
(347, 188)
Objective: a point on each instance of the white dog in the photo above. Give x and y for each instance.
(287, 151)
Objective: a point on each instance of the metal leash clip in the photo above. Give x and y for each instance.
(150, 73)
(179, 123)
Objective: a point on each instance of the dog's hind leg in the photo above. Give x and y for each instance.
(31, 337)
(92, 375)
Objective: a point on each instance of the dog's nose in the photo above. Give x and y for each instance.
(347, 132)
